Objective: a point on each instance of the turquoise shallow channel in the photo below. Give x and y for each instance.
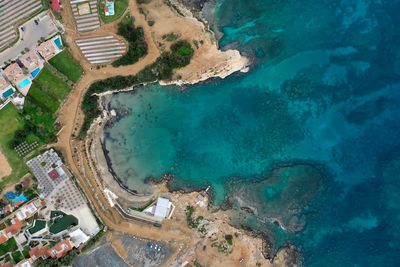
(309, 139)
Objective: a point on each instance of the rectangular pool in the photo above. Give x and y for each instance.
(8, 93)
(24, 83)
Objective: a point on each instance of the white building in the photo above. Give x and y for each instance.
(162, 209)
(78, 237)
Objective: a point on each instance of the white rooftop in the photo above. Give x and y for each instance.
(78, 237)
(163, 207)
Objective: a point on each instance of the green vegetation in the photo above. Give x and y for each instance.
(17, 256)
(193, 223)
(25, 252)
(119, 6)
(63, 223)
(67, 65)
(52, 85)
(137, 46)
(37, 226)
(10, 122)
(143, 1)
(64, 261)
(143, 207)
(170, 37)
(179, 56)
(229, 239)
(46, 4)
(44, 98)
(222, 247)
(8, 246)
(30, 194)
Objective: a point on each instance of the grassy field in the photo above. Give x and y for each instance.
(8, 246)
(11, 121)
(34, 123)
(119, 5)
(43, 100)
(52, 85)
(17, 256)
(67, 65)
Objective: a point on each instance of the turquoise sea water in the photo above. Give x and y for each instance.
(310, 137)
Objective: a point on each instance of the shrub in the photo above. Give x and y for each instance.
(229, 239)
(137, 46)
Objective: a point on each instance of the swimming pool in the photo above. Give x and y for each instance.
(24, 83)
(35, 72)
(58, 43)
(7, 93)
(109, 9)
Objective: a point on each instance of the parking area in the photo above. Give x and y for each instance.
(146, 253)
(137, 252)
(101, 49)
(102, 256)
(86, 16)
(30, 34)
(11, 12)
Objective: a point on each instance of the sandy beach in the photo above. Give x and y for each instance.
(5, 168)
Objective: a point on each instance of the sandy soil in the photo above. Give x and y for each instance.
(5, 168)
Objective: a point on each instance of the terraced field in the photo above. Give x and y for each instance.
(85, 13)
(102, 49)
(12, 12)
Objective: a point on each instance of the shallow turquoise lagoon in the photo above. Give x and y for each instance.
(309, 138)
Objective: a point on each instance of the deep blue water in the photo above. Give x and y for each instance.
(310, 136)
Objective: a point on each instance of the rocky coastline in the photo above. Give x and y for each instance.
(129, 197)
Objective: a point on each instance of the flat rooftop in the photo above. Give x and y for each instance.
(3, 83)
(14, 73)
(47, 49)
(30, 60)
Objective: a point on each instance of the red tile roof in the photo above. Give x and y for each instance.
(14, 228)
(39, 252)
(54, 174)
(19, 203)
(61, 248)
(55, 5)
(3, 239)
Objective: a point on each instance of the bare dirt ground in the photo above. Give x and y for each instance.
(188, 244)
(5, 168)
